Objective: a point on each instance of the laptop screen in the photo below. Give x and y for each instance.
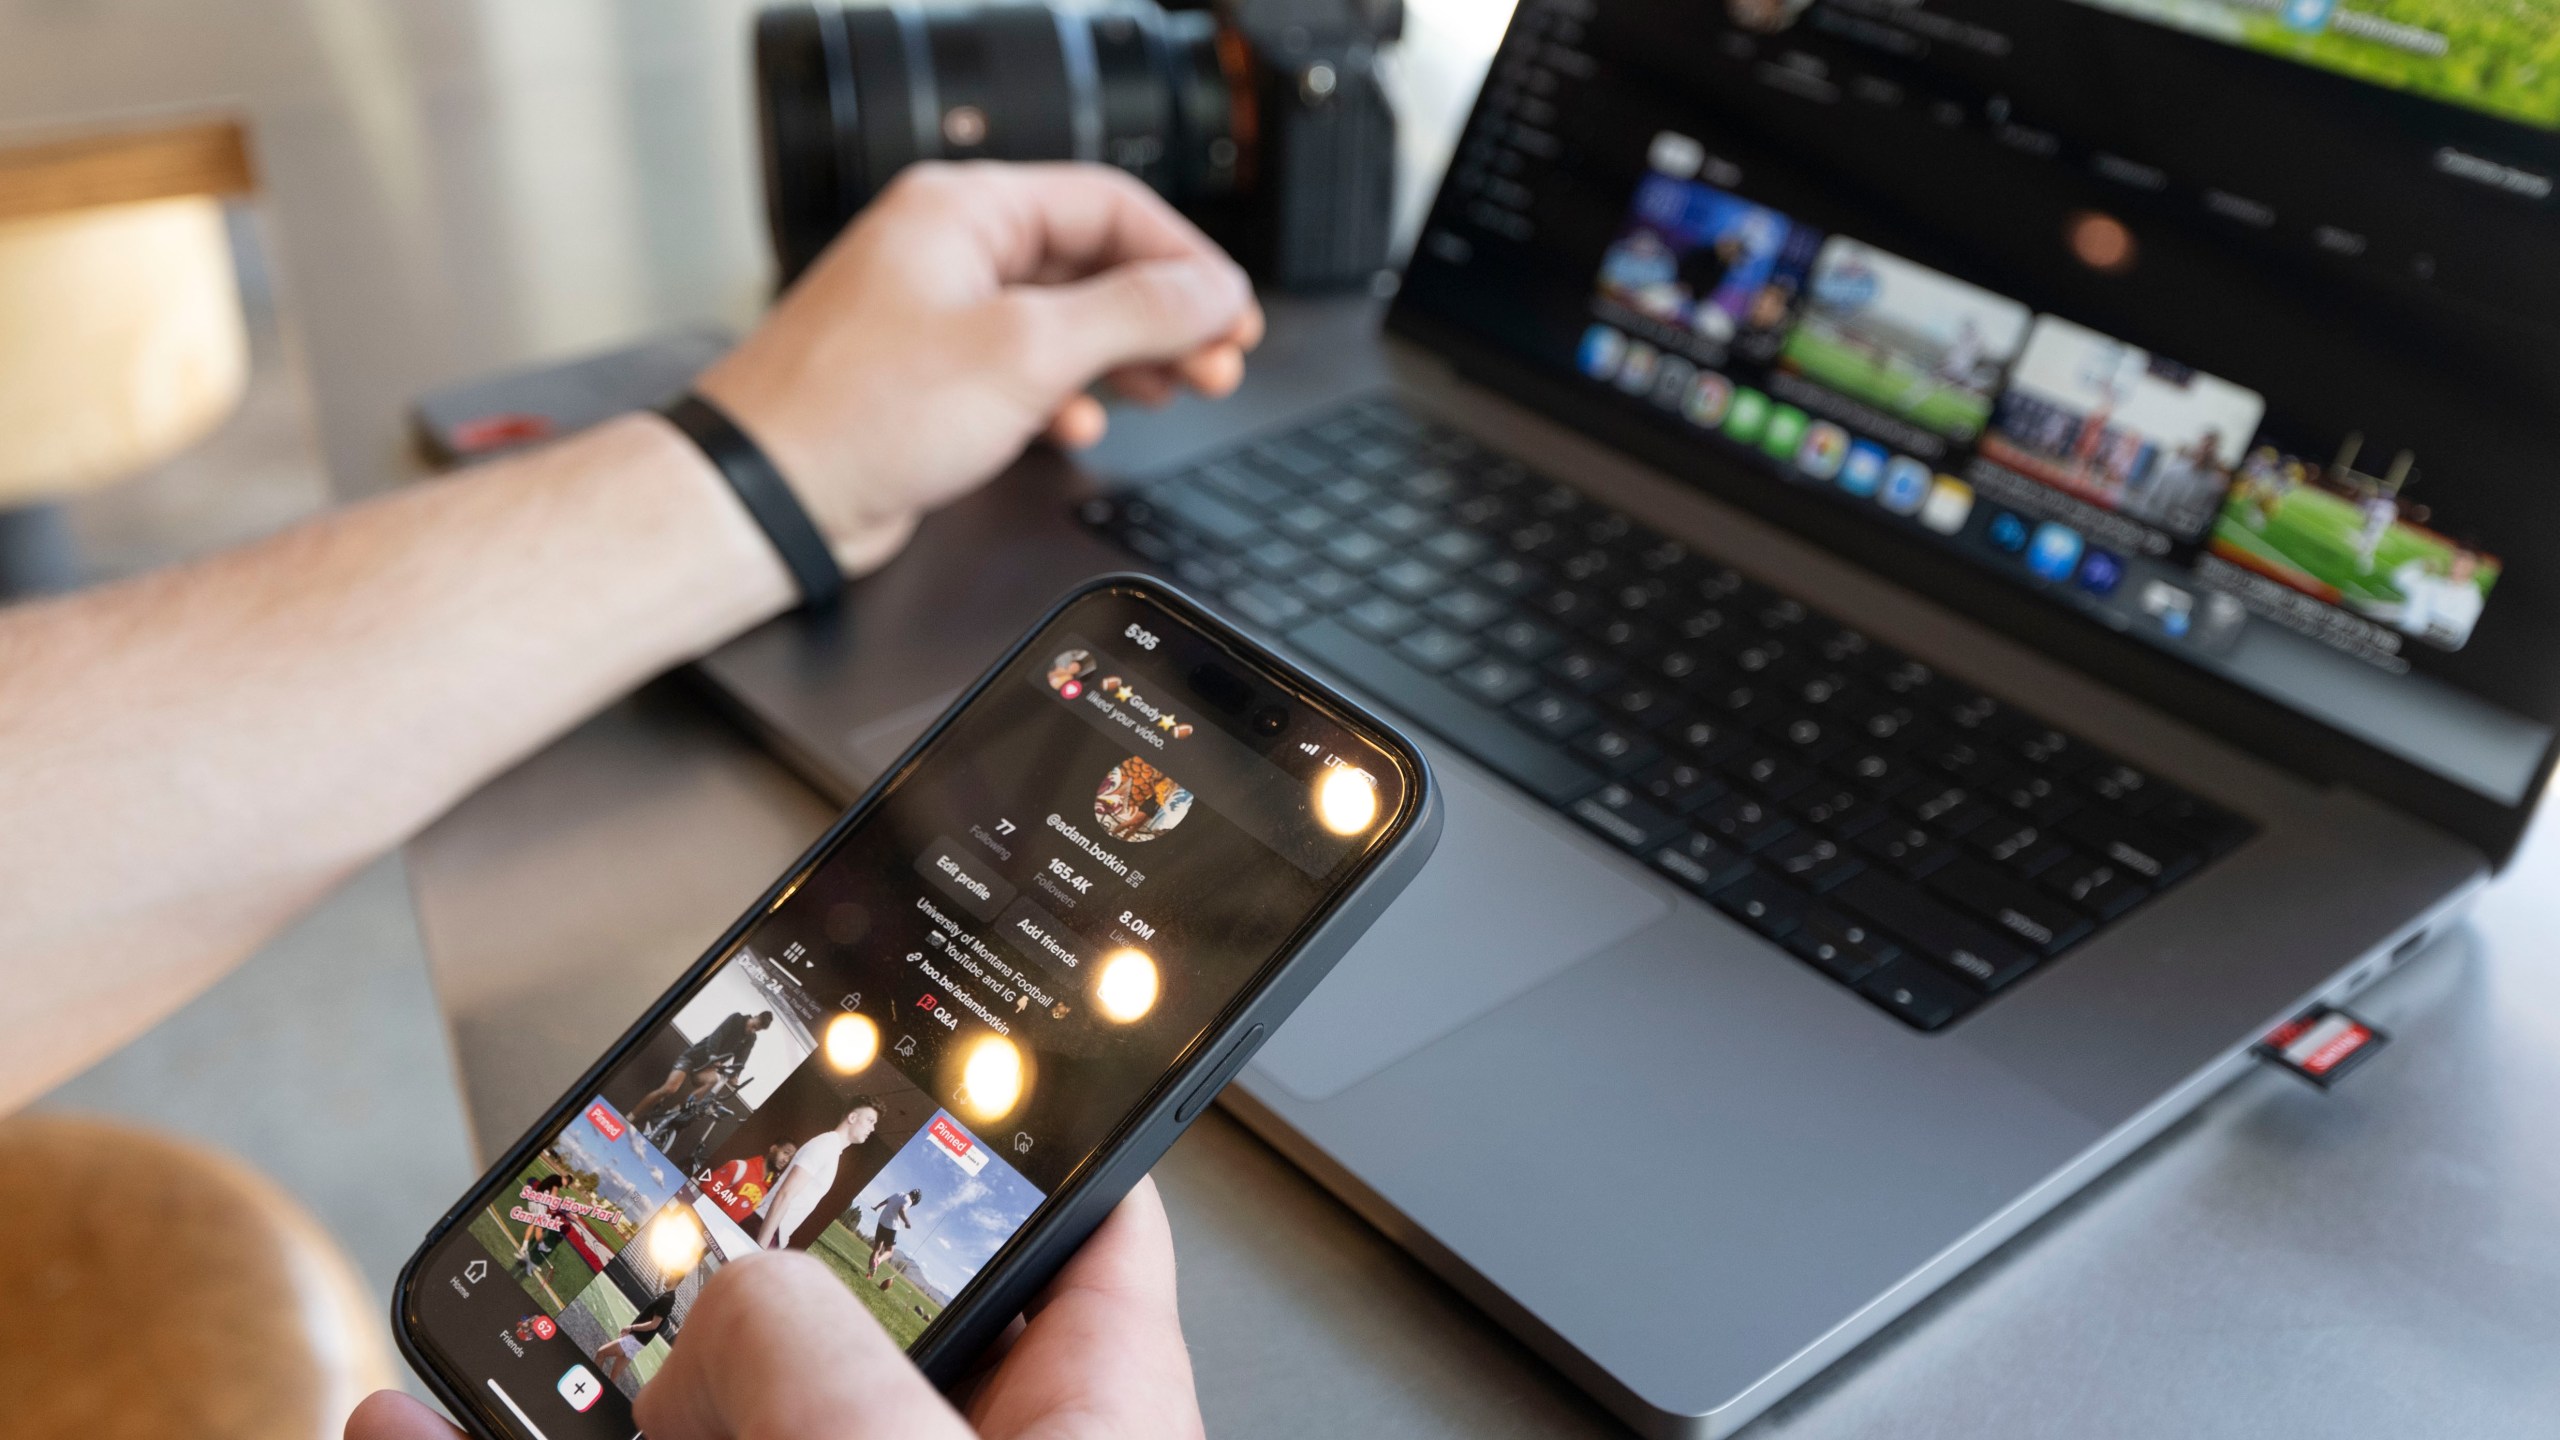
(2232, 325)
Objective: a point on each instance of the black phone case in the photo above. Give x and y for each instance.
(1035, 1255)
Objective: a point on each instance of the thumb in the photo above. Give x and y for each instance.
(1140, 312)
(775, 1345)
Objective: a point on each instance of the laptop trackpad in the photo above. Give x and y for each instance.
(1505, 903)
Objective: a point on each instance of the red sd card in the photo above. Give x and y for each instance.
(2320, 1044)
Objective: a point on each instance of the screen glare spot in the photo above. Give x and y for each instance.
(1347, 800)
(1126, 988)
(853, 1042)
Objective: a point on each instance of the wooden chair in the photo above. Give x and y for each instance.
(154, 1290)
(121, 336)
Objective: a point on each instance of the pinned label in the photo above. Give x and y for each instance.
(2320, 1044)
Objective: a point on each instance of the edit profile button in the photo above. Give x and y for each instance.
(964, 879)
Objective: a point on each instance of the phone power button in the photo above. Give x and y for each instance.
(1218, 1076)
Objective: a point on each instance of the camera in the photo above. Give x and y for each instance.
(1262, 120)
(1270, 721)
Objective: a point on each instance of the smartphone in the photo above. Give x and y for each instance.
(945, 1043)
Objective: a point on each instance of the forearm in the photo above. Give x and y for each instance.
(193, 756)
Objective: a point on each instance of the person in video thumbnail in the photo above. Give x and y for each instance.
(717, 1056)
(739, 1186)
(1962, 355)
(616, 1355)
(813, 1173)
(538, 1241)
(2441, 599)
(885, 1225)
(2381, 510)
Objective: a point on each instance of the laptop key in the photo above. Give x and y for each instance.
(1526, 639)
(1702, 862)
(1435, 649)
(1267, 605)
(1964, 948)
(2036, 859)
(1914, 994)
(1810, 860)
(1310, 523)
(1709, 742)
(1456, 549)
(1583, 671)
(1769, 772)
(1508, 577)
(1466, 609)
(1749, 823)
(2013, 905)
(1840, 946)
(2156, 856)
(1277, 559)
(1679, 785)
(1907, 848)
(1558, 717)
(2100, 887)
(1617, 751)
(1357, 550)
(1206, 513)
(1495, 680)
(1381, 618)
(1765, 903)
(2005, 837)
(1619, 813)
(1325, 586)
(1411, 579)
(1549, 774)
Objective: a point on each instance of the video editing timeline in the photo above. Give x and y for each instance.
(928, 1036)
(1802, 266)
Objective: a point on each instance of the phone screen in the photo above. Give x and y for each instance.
(944, 1019)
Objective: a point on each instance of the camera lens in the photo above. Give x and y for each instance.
(849, 96)
(1270, 720)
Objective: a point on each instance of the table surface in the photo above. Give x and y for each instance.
(451, 188)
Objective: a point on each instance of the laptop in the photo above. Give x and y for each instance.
(1960, 561)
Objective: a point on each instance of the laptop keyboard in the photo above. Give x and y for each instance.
(1906, 835)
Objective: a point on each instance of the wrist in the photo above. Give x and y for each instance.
(826, 477)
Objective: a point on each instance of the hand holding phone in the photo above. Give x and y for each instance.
(945, 1045)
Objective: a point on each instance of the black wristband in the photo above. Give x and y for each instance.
(778, 512)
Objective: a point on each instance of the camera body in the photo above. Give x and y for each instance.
(1265, 121)
(1316, 214)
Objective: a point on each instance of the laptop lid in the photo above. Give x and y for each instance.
(2209, 345)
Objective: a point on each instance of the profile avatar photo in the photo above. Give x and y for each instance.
(1139, 802)
(1067, 672)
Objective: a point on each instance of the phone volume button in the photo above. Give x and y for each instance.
(1218, 1076)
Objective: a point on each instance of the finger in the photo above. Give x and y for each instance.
(1213, 370)
(1079, 424)
(1104, 1341)
(390, 1415)
(1056, 221)
(1142, 312)
(775, 1345)
(1149, 385)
